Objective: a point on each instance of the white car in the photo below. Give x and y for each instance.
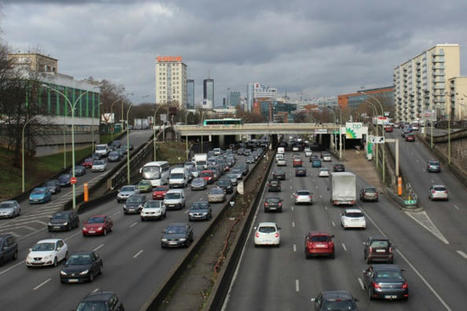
(99, 165)
(326, 157)
(281, 162)
(353, 218)
(47, 253)
(323, 172)
(308, 152)
(267, 233)
(153, 209)
(303, 197)
(438, 192)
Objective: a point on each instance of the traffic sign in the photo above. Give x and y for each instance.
(410, 202)
(376, 139)
(73, 180)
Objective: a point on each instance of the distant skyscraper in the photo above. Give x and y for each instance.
(170, 80)
(258, 90)
(234, 99)
(190, 94)
(208, 93)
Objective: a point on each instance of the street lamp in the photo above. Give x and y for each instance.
(128, 145)
(93, 145)
(111, 113)
(72, 108)
(22, 142)
(154, 131)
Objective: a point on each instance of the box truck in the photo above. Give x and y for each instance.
(343, 188)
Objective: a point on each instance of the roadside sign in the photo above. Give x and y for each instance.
(376, 139)
(163, 117)
(73, 180)
(321, 131)
(410, 202)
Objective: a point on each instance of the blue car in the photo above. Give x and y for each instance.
(316, 163)
(40, 195)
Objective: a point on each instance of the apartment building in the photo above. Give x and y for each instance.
(171, 78)
(422, 83)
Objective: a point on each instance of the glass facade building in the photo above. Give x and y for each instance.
(208, 92)
(190, 94)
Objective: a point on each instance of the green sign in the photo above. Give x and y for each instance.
(369, 148)
(410, 202)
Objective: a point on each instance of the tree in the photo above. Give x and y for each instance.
(302, 117)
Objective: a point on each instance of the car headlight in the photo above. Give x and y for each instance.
(48, 257)
(100, 228)
(65, 223)
(182, 239)
(164, 240)
(62, 272)
(124, 206)
(84, 272)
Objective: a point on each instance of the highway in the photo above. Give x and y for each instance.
(34, 217)
(134, 263)
(282, 279)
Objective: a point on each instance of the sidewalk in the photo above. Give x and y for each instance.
(355, 160)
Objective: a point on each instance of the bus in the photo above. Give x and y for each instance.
(157, 172)
(224, 121)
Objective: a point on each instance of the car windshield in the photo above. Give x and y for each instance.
(51, 183)
(200, 205)
(172, 196)
(320, 238)
(100, 147)
(6, 205)
(96, 220)
(379, 244)
(98, 162)
(273, 200)
(223, 182)
(216, 191)
(38, 191)
(434, 163)
(339, 305)
(354, 214)
(144, 183)
(84, 259)
(92, 306)
(324, 170)
(150, 172)
(267, 229)
(198, 181)
(175, 230)
(128, 188)
(439, 188)
(135, 199)
(232, 176)
(236, 171)
(177, 176)
(153, 204)
(303, 193)
(205, 174)
(44, 247)
(60, 216)
(113, 154)
(370, 190)
(161, 188)
(389, 275)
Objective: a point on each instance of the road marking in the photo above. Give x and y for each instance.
(361, 283)
(12, 267)
(325, 207)
(98, 247)
(42, 284)
(138, 253)
(424, 220)
(95, 290)
(297, 285)
(292, 208)
(295, 248)
(456, 207)
(73, 235)
(333, 223)
(293, 224)
(133, 224)
(343, 246)
(462, 254)
(116, 213)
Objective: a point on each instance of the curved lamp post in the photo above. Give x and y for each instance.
(128, 146)
(22, 157)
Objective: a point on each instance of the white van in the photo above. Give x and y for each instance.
(280, 159)
(102, 150)
(174, 199)
(156, 172)
(179, 177)
(281, 150)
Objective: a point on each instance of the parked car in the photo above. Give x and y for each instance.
(303, 197)
(53, 185)
(8, 248)
(79, 171)
(388, 129)
(40, 195)
(323, 172)
(233, 177)
(99, 165)
(353, 218)
(338, 168)
(63, 221)
(244, 167)
(144, 186)
(175, 199)
(199, 184)
(64, 180)
(114, 156)
(319, 244)
(200, 210)
(278, 174)
(433, 166)
(438, 192)
(250, 160)
(272, 204)
(49, 252)
(81, 267)
(125, 192)
(100, 300)
(369, 194)
(177, 235)
(159, 192)
(274, 185)
(134, 204)
(225, 184)
(300, 172)
(267, 234)
(97, 225)
(386, 282)
(378, 249)
(335, 300)
(216, 195)
(9, 209)
(153, 209)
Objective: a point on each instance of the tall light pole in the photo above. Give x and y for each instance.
(128, 146)
(22, 157)
(154, 132)
(72, 108)
(93, 145)
(111, 113)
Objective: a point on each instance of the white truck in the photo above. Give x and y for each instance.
(200, 159)
(179, 177)
(343, 188)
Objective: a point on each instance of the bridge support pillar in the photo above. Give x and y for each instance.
(221, 141)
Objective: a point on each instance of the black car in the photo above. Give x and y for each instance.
(114, 156)
(272, 204)
(378, 249)
(278, 174)
(338, 168)
(386, 282)
(63, 221)
(433, 166)
(134, 203)
(64, 180)
(200, 211)
(53, 185)
(177, 235)
(81, 267)
(102, 301)
(116, 144)
(225, 184)
(300, 172)
(79, 170)
(8, 248)
(245, 168)
(335, 300)
(274, 185)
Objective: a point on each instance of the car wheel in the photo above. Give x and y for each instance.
(142, 218)
(100, 269)
(55, 262)
(105, 232)
(391, 261)
(370, 295)
(332, 256)
(368, 260)
(15, 255)
(66, 256)
(91, 276)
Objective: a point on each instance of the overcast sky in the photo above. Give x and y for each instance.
(317, 48)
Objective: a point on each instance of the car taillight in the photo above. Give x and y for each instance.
(432, 191)
(390, 250)
(276, 234)
(280, 204)
(445, 191)
(257, 235)
(310, 196)
(266, 204)
(405, 285)
(376, 285)
(371, 249)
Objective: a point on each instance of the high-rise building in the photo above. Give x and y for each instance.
(385, 95)
(208, 93)
(171, 81)
(258, 90)
(421, 83)
(190, 94)
(234, 99)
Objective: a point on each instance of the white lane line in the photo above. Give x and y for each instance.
(344, 247)
(95, 290)
(462, 254)
(116, 213)
(137, 254)
(428, 225)
(293, 224)
(73, 235)
(292, 208)
(294, 248)
(361, 283)
(325, 207)
(98, 247)
(133, 224)
(456, 207)
(12, 267)
(333, 223)
(297, 285)
(42, 284)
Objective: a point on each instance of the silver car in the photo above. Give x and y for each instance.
(9, 209)
(99, 165)
(438, 192)
(199, 184)
(216, 195)
(303, 197)
(125, 192)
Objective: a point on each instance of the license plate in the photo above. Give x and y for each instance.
(73, 280)
(390, 297)
(172, 243)
(380, 251)
(92, 231)
(56, 227)
(321, 246)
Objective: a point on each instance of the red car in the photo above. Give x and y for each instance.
(319, 244)
(159, 192)
(97, 225)
(388, 129)
(409, 138)
(207, 175)
(297, 162)
(87, 163)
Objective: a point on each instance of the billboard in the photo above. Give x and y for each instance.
(108, 118)
(355, 130)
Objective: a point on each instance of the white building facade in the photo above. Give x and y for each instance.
(171, 78)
